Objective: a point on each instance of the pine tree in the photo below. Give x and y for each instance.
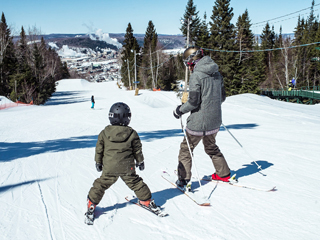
(307, 71)
(283, 60)
(246, 69)
(222, 40)
(191, 15)
(4, 42)
(28, 71)
(267, 43)
(7, 57)
(22, 82)
(312, 26)
(149, 57)
(259, 67)
(130, 44)
(10, 65)
(203, 34)
(168, 75)
(299, 52)
(40, 94)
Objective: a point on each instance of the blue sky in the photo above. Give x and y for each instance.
(79, 16)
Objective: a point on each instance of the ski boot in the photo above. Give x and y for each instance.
(150, 204)
(184, 185)
(90, 212)
(224, 179)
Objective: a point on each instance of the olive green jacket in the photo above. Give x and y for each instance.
(117, 149)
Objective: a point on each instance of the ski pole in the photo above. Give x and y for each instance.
(259, 167)
(191, 154)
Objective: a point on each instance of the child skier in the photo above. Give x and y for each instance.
(118, 152)
(92, 102)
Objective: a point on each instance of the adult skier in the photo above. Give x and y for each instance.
(290, 85)
(206, 94)
(118, 152)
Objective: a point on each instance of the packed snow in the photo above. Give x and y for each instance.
(47, 168)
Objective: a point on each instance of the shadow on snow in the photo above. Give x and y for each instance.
(11, 186)
(11, 151)
(239, 126)
(251, 168)
(66, 97)
(154, 135)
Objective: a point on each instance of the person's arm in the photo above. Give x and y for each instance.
(194, 95)
(223, 91)
(137, 148)
(99, 149)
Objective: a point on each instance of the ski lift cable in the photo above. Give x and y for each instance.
(283, 19)
(262, 50)
(286, 15)
(253, 25)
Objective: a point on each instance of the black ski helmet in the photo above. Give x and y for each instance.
(120, 114)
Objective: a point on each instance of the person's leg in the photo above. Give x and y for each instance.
(100, 185)
(136, 184)
(184, 158)
(218, 160)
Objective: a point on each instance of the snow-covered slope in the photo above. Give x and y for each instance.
(47, 168)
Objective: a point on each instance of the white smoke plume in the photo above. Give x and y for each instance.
(100, 35)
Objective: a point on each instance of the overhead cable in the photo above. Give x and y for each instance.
(262, 50)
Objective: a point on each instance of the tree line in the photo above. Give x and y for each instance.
(246, 62)
(28, 68)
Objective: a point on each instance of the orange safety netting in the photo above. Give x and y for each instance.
(14, 104)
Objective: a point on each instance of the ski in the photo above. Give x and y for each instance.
(235, 183)
(158, 211)
(89, 218)
(166, 176)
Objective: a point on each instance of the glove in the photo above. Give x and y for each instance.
(140, 165)
(99, 167)
(184, 98)
(176, 113)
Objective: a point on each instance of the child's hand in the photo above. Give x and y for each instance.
(99, 167)
(140, 165)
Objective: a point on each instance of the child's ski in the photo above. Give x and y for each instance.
(89, 218)
(167, 177)
(157, 211)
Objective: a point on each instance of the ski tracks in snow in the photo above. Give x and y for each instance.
(46, 210)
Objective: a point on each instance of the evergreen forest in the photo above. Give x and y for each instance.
(28, 68)
(247, 62)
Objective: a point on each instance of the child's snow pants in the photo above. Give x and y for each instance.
(134, 182)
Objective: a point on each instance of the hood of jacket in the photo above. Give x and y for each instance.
(206, 65)
(117, 133)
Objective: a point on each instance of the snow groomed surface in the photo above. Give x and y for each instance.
(47, 168)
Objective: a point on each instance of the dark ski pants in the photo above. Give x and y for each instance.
(134, 182)
(210, 147)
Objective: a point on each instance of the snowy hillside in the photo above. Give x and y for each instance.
(47, 168)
